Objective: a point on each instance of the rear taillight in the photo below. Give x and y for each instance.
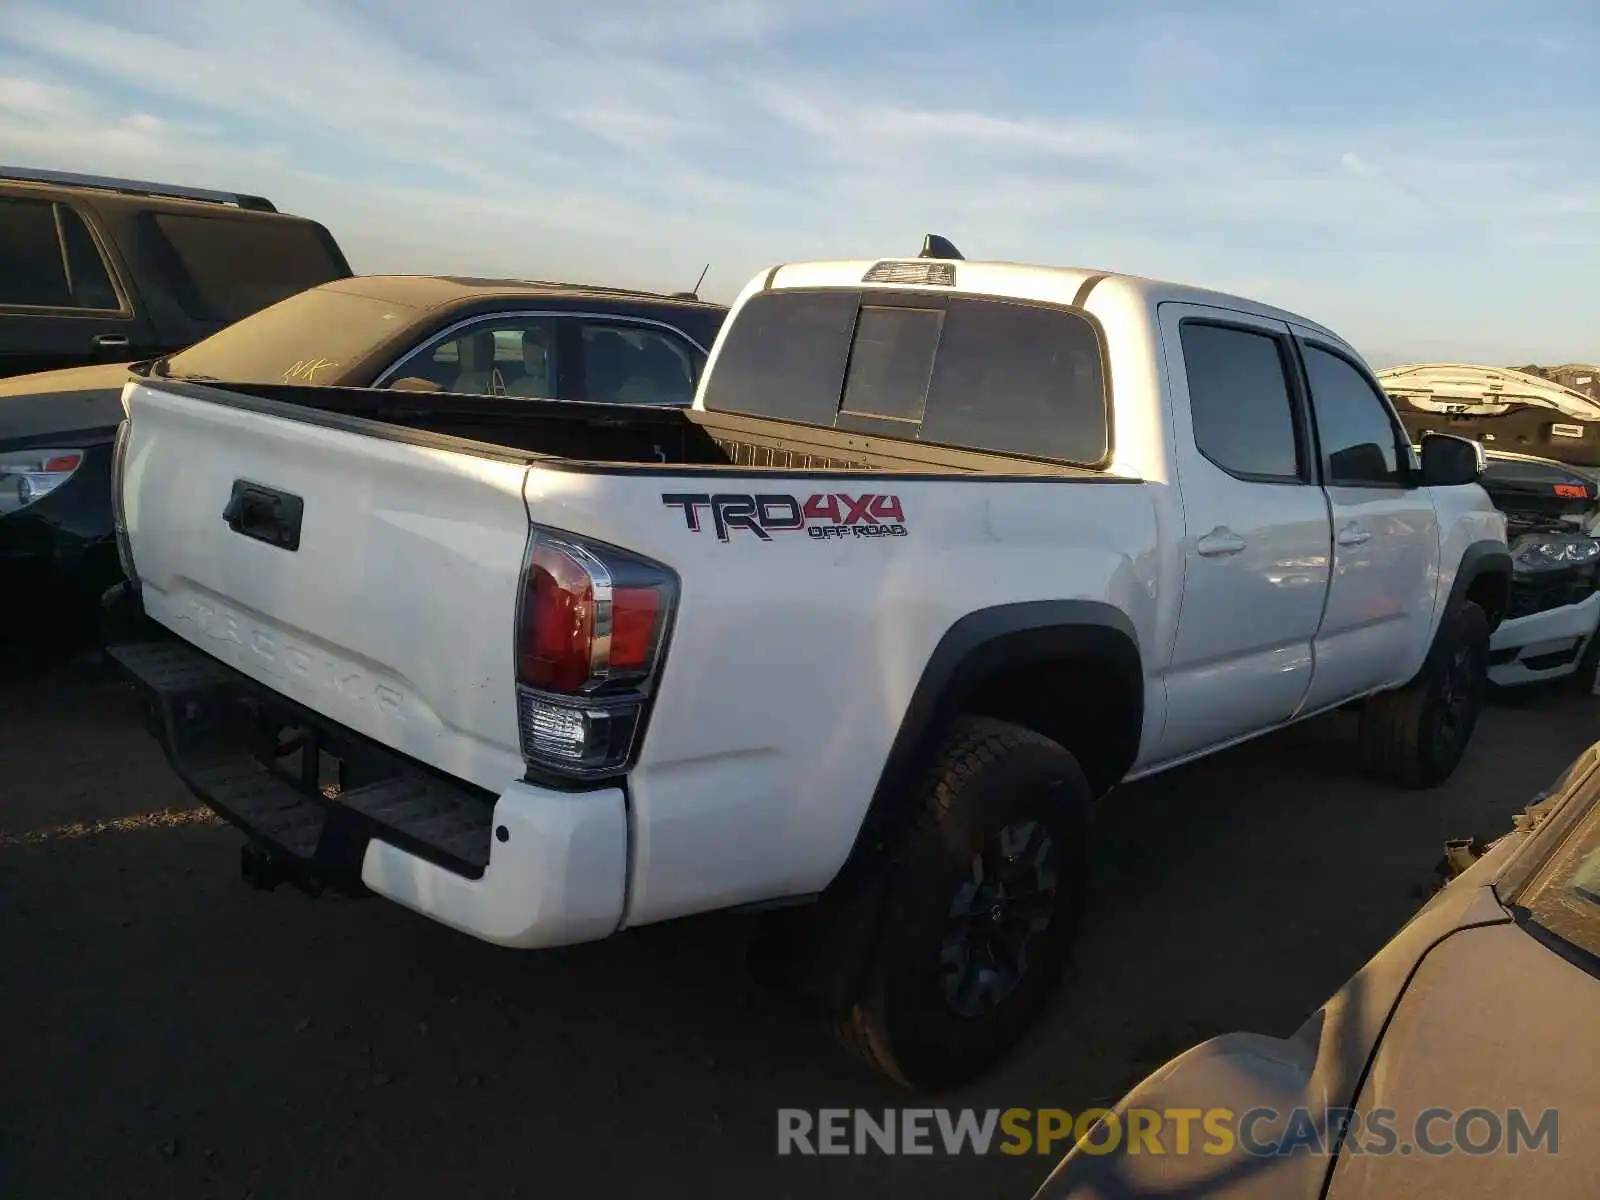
(590, 632)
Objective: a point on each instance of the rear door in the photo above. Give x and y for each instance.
(61, 300)
(1385, 532)
(1255, 538)
(391, 609)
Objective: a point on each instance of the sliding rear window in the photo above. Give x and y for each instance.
(973, 373)
(225, 267)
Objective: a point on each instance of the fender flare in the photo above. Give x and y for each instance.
(993, 639)
(1481, 558)
(850, 908)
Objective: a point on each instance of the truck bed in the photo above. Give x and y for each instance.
(360, 556)
(617, 435)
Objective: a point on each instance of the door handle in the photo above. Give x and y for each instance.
(265, 514)
(1219, 542)
(110, 341)
(1352, 535)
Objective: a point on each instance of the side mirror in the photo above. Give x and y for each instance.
(1450, 461)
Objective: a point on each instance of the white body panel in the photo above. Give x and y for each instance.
(792, 661)
(394, 615)
(1569, 627)
(779, 702)
(1381, 600)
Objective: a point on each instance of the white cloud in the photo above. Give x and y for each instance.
(1358, 166)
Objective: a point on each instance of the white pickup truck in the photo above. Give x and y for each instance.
(943, 552)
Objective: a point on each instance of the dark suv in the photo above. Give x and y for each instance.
(114, 270)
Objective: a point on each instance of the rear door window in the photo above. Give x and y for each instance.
(87, 274)
(972, 373)
(1239, 401)
(223, 268)
(630, 364)
(32, 270)
(556, 358)
(506, 356)
(48, 258)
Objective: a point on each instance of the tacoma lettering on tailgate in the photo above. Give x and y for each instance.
(273, 654)
(825, 515)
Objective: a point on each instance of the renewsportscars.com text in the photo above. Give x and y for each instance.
(1260, 1132)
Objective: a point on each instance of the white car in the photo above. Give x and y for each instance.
(943, 551)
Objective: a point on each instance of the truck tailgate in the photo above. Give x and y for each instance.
(393, 614)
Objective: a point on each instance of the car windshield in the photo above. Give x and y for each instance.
(1564, 898)
(313, 337)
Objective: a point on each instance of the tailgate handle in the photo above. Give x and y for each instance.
(265, 514)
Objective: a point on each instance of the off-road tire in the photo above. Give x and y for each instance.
(1416, 736)
(986, 777)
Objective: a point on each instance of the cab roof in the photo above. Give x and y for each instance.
(1022, 281)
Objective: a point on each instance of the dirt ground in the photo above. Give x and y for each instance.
(165, 1031)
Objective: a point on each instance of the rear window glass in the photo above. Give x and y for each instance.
(978, 374)
(312, 338)
(891, 362)
(785, 357)
(225, 268)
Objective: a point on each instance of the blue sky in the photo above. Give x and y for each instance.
(1423, 176)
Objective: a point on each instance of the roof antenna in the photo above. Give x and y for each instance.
(694, 295)
(934, 246)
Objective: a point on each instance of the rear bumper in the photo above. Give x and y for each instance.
(1544, 645)
(531, 867)
(559, 877)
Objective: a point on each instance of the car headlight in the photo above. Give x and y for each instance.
(27, 476)
(1554, 554)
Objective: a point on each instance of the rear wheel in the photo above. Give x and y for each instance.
(981, 905)
(1417, 735)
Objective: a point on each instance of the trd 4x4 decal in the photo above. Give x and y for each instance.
(826, 515)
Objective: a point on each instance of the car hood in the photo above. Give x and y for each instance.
(67, 401)
(1541, 495)
(1325, 1063)
(1320, 1065)
(1492, 1018)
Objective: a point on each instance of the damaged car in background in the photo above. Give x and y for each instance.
(1486, 997)
(1542, 444)
(503, 341)
(1505, 409)
(1552, 523)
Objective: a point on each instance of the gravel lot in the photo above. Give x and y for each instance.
(168, 1032)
